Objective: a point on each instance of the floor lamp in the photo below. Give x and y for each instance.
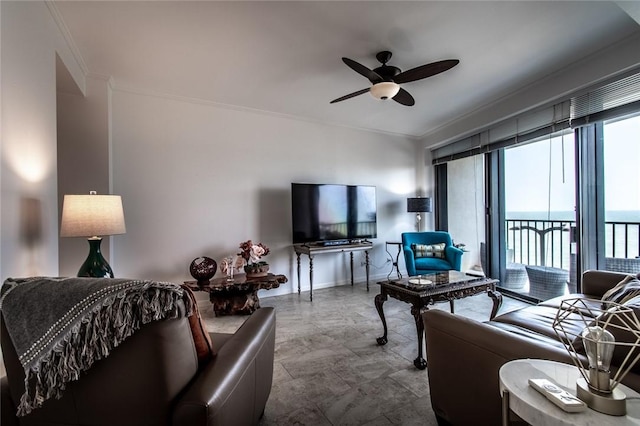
(93, 216)
(419, 205)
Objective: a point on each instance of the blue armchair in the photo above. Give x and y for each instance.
(424, 261)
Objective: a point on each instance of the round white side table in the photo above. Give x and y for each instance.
(519, 397)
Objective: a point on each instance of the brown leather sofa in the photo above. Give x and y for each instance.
(153, 378)
(464, 356)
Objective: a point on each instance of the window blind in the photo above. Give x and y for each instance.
(615, 99)
(516, 130)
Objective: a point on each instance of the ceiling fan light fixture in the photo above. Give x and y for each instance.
(385, 90)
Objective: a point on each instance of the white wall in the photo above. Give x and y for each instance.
(197, 180)
(29, 219)
(83, 159)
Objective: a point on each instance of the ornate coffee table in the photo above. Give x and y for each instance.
(239, 297)
(440, 287)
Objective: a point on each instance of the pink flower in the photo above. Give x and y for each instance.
(252, 253)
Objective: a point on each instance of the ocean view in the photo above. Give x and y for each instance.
(625, 216)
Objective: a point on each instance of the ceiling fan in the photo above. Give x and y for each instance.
(386, 79)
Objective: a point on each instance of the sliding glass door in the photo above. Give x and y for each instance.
(621, 187)
(539, 192)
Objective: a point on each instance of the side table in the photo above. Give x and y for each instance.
(394, 264)
(534, 408)
(239, 297)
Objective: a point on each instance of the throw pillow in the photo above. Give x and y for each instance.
(201, 338)
(428, 250)
(625, 290)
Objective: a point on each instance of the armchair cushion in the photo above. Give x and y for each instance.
(432, 263)
(428, 250)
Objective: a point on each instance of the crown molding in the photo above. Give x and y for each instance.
(64, 30)
(200, 101)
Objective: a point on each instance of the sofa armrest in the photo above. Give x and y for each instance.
(596, 283)
(233, 388)
(464, 358)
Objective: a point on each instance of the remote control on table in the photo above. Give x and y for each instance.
(558, 396)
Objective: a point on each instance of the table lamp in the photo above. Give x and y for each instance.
(93, 216)
(613, 330)
(418, 205)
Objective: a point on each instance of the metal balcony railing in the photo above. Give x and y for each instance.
(548, 243)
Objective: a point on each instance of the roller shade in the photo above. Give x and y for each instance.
(520, 129)
(615, 99)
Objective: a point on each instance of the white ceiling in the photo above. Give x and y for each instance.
(285, 57)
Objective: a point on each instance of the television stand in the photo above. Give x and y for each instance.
(312, 250)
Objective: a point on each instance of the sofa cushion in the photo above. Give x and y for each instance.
(539, 319)
(625, 290)
(201, 338)
(428, 250)
(592, 305)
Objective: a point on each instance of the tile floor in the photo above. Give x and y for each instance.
(328, 368)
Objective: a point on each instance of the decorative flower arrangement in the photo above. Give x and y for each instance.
(252, 253)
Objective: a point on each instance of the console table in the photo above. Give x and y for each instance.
(311, 250)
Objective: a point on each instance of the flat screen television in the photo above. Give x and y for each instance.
(326, 213)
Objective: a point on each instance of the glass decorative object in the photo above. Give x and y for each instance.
(227, 266)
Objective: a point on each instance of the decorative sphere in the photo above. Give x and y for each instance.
(203, 269)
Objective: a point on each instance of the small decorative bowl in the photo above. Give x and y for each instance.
(203, 269)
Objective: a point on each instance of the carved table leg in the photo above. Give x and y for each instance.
(416, 311)
(379, 300)
(451, 306)
(496, 296)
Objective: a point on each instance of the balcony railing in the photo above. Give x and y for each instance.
(548, 243)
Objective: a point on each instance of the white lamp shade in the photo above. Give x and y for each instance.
(92, 216)
(384, 90)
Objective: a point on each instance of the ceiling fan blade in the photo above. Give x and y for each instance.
(425, 71)
(362, 70)
(403, 97)
(349, 96)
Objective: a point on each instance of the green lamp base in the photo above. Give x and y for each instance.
(95, 265)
